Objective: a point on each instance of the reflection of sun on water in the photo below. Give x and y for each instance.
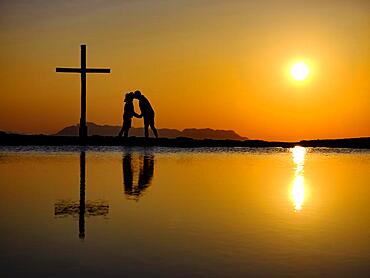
(297, 190)
(298, 155)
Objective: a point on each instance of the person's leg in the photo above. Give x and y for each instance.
(126, 127)
(121, 132)
(122, 128)
(154, 129)
(151, 122)
(146, 128)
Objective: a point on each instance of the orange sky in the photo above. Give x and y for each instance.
(217, 64)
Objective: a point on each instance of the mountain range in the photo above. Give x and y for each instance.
(194, 133)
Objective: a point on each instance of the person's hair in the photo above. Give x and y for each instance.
(137, 93)
(129, 96)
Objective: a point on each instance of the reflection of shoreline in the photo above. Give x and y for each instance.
(298, 190)
(146, 172)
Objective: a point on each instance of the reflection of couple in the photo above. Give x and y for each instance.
(145, 175)
(147, 113)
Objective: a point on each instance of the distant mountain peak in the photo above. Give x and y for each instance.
(195, 133)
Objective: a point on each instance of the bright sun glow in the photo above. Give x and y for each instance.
(300, 71)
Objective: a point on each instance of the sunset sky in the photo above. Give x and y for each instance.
(217, 64)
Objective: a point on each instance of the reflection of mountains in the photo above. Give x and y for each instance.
(146, 171)
(108, 130)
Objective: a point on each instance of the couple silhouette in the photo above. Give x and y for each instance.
(146, 110)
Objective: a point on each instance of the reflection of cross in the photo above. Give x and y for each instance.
(82, 208)
(83, 70)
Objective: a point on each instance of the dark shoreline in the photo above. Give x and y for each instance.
(47, 140)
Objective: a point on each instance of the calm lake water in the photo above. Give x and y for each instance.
(156, 212)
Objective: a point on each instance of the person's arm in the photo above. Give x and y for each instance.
(137, 115)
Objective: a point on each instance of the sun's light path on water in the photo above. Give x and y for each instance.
(297, 191)
(300, 71)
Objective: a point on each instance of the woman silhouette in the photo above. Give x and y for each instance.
(128, 113)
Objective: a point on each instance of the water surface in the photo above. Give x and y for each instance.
(157, 212)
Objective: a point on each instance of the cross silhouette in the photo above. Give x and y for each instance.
(83, 70)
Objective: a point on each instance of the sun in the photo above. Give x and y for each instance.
(300, 71)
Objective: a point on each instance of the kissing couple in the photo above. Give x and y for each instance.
(146, 110)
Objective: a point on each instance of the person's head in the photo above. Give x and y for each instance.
(137, 94)
(129, 97)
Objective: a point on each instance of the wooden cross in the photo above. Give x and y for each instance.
(83, 70)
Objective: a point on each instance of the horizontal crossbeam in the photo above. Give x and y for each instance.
(78, 70)
(68, 70)
(98, 70)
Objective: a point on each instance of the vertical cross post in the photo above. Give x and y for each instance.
(83, 70)
(83, 126)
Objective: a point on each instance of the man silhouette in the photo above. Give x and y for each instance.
(147, 113)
